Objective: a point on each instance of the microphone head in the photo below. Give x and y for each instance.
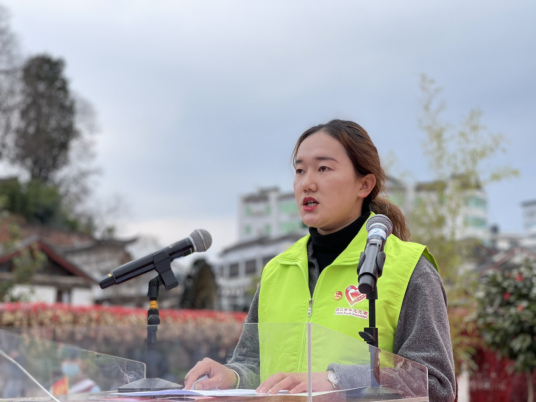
(383, 221)
(202, 240)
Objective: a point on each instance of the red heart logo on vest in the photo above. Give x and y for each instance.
(353, 295)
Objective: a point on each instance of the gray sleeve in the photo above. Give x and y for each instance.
(246, 356)
(423, 331)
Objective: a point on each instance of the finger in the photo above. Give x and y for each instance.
(285, 384)
(194, 369)
(211, 383)
(270, 382)
(301, 387)
(199, 370)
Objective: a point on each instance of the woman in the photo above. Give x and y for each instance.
(337, 184)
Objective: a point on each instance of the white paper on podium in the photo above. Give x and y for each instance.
(211, 393)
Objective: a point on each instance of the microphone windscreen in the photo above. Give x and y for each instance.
(382, 220)
(202, 240)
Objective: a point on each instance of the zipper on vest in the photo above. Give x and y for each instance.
(310, 310)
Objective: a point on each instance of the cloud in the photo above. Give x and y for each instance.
(202, 101)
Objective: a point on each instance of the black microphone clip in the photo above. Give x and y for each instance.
(369, 276)
(162, 263)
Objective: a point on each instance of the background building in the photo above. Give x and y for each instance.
(529, 217)
(268, 212)
(471, 210)
(268, 223)
(75, 262)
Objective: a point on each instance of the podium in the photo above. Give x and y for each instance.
(34, 369)
(364, 372)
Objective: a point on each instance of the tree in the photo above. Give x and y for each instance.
(46, 124)
(461, 162)
(40, 204)
(200, 288)
(24, 264)
(506, 316)
(53, 144)
(9, 79)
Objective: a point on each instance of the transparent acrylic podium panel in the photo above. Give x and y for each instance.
(37, 369)
(309, 350)
(364, 372)
(179, 346)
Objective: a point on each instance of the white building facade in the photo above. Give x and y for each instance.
(529, 217)
(269, 222)
(268, 213)
(470, 209)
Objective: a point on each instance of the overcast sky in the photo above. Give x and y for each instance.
(201, 101)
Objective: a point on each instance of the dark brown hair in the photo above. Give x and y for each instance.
(364, 156)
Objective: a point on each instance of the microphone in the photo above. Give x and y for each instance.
(371, 261)
(199, 240)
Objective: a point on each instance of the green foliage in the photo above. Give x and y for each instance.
(24, 264)
(459, 159)
(506, 314)
(9, 78)
(41, 204)
(46, 124)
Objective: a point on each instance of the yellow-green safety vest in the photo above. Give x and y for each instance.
(285, 301)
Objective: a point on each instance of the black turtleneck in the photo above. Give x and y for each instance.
(328, 247)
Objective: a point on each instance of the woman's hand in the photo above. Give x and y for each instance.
(295, 383)
(218, 375)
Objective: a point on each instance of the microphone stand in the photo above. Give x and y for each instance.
(162, 262)
(370, 333)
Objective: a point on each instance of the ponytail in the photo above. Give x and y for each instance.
(381, 205)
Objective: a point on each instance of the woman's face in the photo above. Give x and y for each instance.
(327, 190)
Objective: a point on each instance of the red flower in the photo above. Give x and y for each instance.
(519, 277)
(520, 308)
(506, 296)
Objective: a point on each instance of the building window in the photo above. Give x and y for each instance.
(63, 296)
(268, 230)
(233, 270)
(251, 267)
(290, 208)
(475, 222)
(268, 210)
(289, 227)
(475, 202)
(266, 260)
(247, 230)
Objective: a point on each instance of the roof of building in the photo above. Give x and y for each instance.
(466, 183)
(262, 241)
(50, 252)
(509, 259)
(392, 182)
(289, 195)
(261, 194)
(528, 203)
